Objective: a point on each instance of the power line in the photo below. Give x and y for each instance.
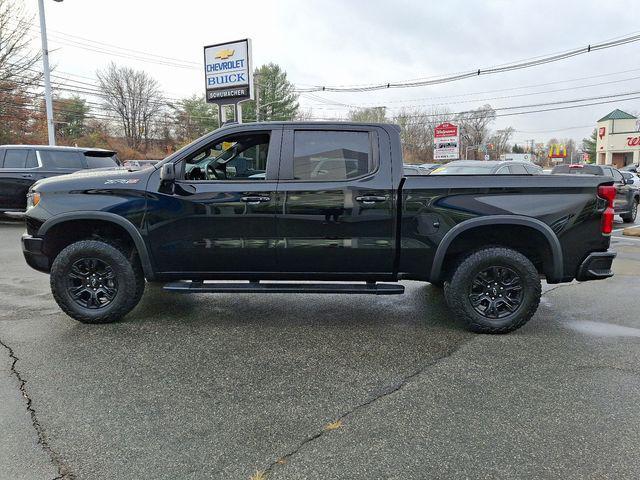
(478, 72)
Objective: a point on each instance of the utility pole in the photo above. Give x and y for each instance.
(47, 80)
(256, 88)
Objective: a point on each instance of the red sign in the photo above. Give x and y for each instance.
(445, 130)
(601, 132)
(585, 157)
(633, 141)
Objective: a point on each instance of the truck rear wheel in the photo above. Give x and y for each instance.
(94, 281)
(494, 290)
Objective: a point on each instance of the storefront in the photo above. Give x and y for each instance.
(618, 141)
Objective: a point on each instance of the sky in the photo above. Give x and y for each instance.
(353, 42)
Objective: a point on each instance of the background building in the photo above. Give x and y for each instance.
(618, 139)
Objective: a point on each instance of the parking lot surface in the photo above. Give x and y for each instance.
(312, 386)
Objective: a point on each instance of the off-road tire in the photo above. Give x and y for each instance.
(631, 216)
(457, 289)
(126, 268)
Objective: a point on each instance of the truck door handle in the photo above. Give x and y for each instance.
(254, 200)
(26, 175)
(371, 199)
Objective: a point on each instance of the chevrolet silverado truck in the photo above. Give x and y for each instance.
(315, 208)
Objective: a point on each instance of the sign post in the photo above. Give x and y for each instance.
(228, 72)
(446, 142)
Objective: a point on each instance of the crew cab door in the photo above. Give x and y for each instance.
(219, 215)
(336, 201)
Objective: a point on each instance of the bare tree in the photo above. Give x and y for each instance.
(369, 115)
(417, 132)
(500, 140)
(474, 127)
(17, 59)
(135, 98)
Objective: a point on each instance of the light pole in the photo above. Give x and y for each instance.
(47, 80)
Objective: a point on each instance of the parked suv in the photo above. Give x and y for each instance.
(22, 165)
(627, 195)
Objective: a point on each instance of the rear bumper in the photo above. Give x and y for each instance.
(33, 254)
(596, 266)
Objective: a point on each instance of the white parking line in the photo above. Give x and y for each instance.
(624, 228)
(620, 238)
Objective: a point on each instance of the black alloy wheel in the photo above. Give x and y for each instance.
(92, 283)
(496, 292)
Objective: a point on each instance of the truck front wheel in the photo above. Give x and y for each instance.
(494, 290)
(96, 282)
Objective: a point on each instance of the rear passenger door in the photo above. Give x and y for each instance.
(17, 174)
(336, 206)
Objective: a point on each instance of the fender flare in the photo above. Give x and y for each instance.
(129, 227)
(450, 236)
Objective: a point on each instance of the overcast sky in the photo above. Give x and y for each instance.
(332, 42)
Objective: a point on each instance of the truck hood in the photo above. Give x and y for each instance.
(95, 178)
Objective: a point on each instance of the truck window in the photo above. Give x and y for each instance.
(329, 156)
(20, 158)
(62, 159)
(240, 157)
(617, 176)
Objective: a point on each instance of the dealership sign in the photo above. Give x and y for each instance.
(446, 142)
(228, 72)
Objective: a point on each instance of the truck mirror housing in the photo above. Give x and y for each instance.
(168, 172)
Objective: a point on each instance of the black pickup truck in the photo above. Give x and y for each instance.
(323, 203)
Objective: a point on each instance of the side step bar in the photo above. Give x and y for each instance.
(256, 287)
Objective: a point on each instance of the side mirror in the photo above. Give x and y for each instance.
(168, 172)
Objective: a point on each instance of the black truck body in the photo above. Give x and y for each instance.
(293, 218)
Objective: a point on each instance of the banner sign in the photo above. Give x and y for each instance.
(446, 142)
(228, 72)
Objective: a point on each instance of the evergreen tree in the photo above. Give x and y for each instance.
(277, 98)
(589, 145)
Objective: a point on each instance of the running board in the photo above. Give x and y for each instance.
(256, 287)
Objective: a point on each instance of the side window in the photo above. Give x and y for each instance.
(62, 159)
(503, 171)
(16, 158)
(329, 156)
(518, 169)
(241, 157)
(617, 176)
(32, 161)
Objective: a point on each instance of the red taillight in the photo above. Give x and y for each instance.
(608, 192)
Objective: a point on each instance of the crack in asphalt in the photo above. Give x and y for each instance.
(382, 393)
(63, 471)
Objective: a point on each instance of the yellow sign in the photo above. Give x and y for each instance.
(224, 54)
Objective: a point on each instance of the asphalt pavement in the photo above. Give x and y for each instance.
(313, 386)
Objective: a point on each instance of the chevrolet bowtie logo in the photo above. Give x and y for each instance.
(224, 54)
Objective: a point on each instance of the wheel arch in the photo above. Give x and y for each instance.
(106, 218)
(553, 243)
